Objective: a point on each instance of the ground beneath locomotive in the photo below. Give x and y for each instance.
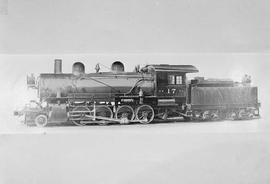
(187, 152)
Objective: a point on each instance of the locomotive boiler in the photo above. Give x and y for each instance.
(149, 93)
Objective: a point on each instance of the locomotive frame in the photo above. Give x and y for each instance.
(153, 92)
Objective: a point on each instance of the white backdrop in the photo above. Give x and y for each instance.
(224, 39)
(113, 26)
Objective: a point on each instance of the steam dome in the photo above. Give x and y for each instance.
(118, 66)
(78, 68)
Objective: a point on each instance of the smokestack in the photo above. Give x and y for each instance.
(58, 66)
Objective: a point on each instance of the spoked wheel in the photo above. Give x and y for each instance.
(222, 115)
(125, 113)
(41, 120)
(103, 111)
(232, 115)
(205, 116)
(145, 114)
(241, 114)
(215, 116)
(79, 115)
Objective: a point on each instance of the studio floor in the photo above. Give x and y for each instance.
(178, 152)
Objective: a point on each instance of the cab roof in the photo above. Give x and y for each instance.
(174, 68)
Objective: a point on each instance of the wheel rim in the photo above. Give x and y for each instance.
(215, 116)
(233, 115)
(125, 113)
(103, 111)
(145, 114)
(41, 120)
(79, 117)
(241, 114)
(205, 115)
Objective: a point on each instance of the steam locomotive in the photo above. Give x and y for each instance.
(149, 93)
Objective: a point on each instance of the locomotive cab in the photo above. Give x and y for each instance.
(171, 85)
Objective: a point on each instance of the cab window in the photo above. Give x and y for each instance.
(179, 79)
(175, 79)
(171, 79)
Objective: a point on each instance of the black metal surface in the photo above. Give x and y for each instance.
(174, 68)
(98, 84)
(224, 96)
(161, 87)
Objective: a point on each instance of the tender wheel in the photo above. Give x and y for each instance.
(145, 114)
(222, 115)
(215, 116)
(125, 113)
(205, 116)
(103, 111)
(241, 114)
(41, 120)
(233, 115)
(78, 115)
(196, 115)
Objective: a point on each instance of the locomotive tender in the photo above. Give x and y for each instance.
(152, 92)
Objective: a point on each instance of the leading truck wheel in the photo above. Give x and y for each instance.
(41, 120)
(145, 114)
